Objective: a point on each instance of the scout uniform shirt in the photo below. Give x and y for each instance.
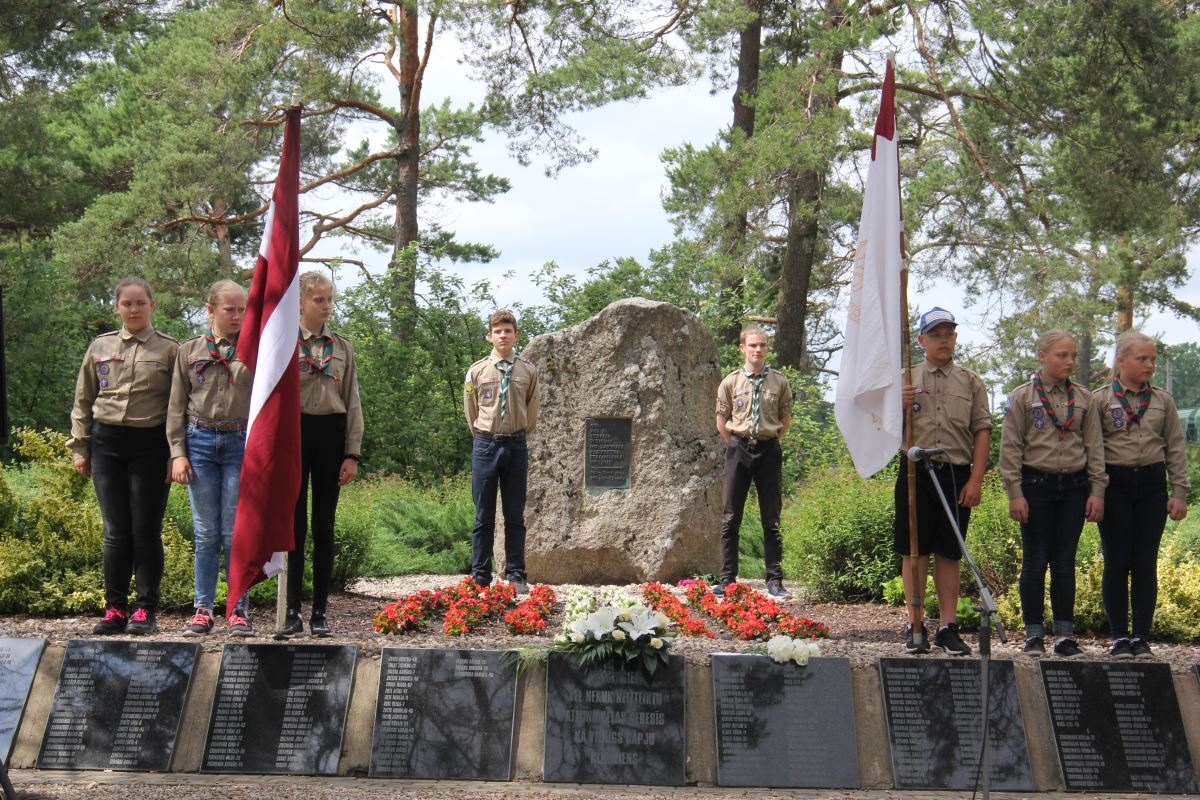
(775, 403)
(1029, 438)
(1158, 437)
(125, 379)
(208, 388)
(481, 396)
(951, 410)
(329, 381)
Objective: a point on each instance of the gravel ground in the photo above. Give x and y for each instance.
(862, 632)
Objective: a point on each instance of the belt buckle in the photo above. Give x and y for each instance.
(752, 441)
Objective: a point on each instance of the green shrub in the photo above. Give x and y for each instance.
(411, 529)
(993, 539)
(837, 535)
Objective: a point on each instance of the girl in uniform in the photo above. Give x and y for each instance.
(1052, 464)
(118, 438)
(331, 428)
(206, 428)
(1144, 448)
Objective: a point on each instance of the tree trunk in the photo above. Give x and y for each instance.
(408, 129)
(732, 299)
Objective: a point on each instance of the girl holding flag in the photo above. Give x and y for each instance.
(331, 429)
(206, 428)
(1052, 464)
(1144, 446)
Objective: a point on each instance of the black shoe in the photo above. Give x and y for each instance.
(141, 623)
(481, 581)
(775, 589)
(292, 625)
(1121, 648)
(112, 623)
(910, 643)
(951, 643)
(719, 589)
(1034, 646)
(518, 583)
(317, 626)
(1140, 648)
(1066, 648)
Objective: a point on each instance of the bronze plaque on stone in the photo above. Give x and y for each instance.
(1118, 727)
(606, 455)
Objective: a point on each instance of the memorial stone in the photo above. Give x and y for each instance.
(636, 383)
(118, 705)
(444, 715)
(1117, 727)
(783, 725)
(280, 709)
(934, 718)
(18, 664)
(606, 724)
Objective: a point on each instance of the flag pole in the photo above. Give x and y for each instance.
(916, 613)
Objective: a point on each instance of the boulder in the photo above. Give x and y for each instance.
(654, 368)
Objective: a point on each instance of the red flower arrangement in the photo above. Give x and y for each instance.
(750, 614)
(529, 617)
(660, 599)
(467, 606)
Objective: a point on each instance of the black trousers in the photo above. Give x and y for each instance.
(129, 471)
(322, 450)
(761, 465)
(1135, 513)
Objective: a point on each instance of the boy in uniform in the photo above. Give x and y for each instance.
(754, 410)
(500, 401)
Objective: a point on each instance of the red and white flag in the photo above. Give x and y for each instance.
(868, 402)
(270, 481)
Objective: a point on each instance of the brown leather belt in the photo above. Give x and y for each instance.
(218, 424)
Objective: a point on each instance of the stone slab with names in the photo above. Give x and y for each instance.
(933, 709)
(444, 715)
(1117, 727)
(280, 709)
(606, 456)
(784, 725)
(118, 705)
(605, 724)
(18, 665)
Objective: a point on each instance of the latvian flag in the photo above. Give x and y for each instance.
(270, 481)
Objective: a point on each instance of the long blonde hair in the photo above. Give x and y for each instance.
(1051, 336)
(1125, 343)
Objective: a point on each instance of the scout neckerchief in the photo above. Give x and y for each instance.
(215, 356)
(755, 400)
(505, 368)
(319, 364)
(1143, 403)
(1063, 427)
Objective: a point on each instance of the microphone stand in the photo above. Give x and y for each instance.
(987, 610)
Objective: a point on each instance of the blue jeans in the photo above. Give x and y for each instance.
(504, 466)
(1049, 539)
(216, 458)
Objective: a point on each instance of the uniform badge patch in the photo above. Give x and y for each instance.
(1039, 417)
(103, 383)
(1118, 416)
(305, 366)
(199, 377)
(487, 394)
(916, 407)
(102, 369)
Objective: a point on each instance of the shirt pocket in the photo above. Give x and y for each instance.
(109, 371)
(487, 392)
(153, 371)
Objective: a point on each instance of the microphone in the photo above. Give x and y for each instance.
(922, 453)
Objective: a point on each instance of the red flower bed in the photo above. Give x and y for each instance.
(750, 614)
(529, 617)
(660, 599)
(467, 606)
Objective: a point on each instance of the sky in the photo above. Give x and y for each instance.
(612, 206)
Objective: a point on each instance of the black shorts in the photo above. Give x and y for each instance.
(934, 533)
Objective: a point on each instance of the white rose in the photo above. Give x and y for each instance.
(578, 638)
(618, 635)
(656, 643)
(781, 648)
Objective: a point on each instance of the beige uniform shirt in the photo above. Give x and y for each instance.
(321, 394)
(950, 408)
(775, 404)
(125, 379)
(202, 388)
(1157, 438)
(1029, 439)
(481, 396)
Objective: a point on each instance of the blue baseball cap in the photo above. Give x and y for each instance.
(934, 317)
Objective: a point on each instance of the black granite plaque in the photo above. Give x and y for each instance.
(118, 705)
(18, 664)
(444, 714)
(935, 724)
(280, 709)
(605, 724)
(606, 453)
(1118, 727)
(783, 725)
